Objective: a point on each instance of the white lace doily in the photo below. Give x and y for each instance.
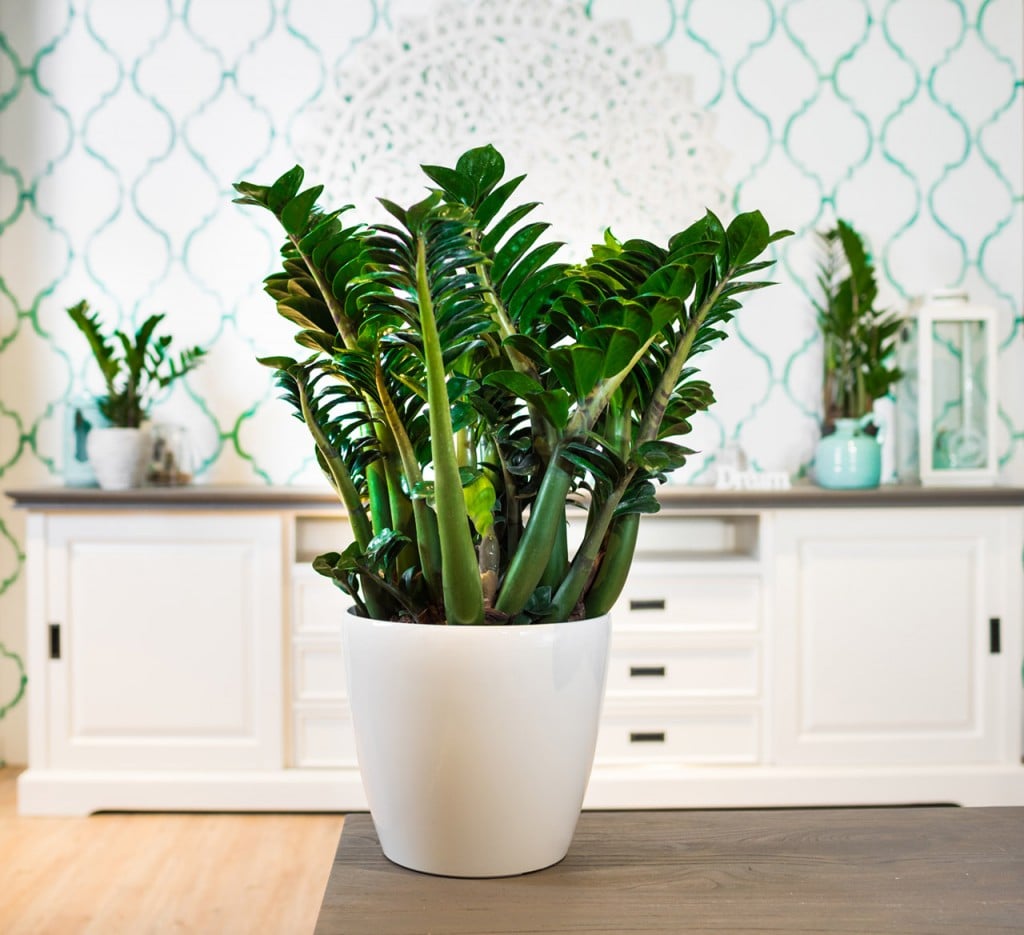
(607, 135)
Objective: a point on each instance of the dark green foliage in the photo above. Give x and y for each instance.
(859, 337)
(462, 379)
(134, 367)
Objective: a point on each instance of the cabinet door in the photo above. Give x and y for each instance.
(169, 641)
(882, 644)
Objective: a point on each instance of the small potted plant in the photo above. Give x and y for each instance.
(134, 368)
(859, 344)
(465, 393)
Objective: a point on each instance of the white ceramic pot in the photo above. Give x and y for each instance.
(118, 456)
(475, 744)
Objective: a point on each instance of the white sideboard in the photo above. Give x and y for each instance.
(770, 648)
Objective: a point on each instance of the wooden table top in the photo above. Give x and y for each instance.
(858, 870)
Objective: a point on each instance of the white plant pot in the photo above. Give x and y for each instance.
(118, 456)
(475, 744)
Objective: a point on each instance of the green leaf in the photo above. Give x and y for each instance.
(515, 248)
(277, 363)
(459, 385)
(517, 383)
(484, 165)
(307, 313)
(454, 183)
(617, 346)
(325, 227)
(675, 279)
(416, 215)
(316, 341)
(395, 210)
(528, 347)
(747, 236)
(285, 189)
(480, 498)
(528, 267)
(295, 214)
(555, 404)
(639, 500)
(383, 550)
(251, 194)
(495, 201)
(462, 415)
(490, 240)
(661, 456)
(540, 602)
(335, 564)
(586, 364)
(702, 238)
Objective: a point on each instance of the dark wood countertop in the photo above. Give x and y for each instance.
(906, 870)
(673, 498)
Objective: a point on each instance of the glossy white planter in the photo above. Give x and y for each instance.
(118, 456)
(475, 744)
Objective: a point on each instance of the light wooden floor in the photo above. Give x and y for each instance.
(149, 874)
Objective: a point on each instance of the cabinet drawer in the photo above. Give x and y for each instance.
(318, 671)
(644, 665)
(699, 735)
(322, 737)
(671, 598)
(317, 605)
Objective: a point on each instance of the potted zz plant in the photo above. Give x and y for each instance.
(465, 393)
(134, 368)
(860, 341)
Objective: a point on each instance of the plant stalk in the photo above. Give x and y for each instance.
(460, 578)
(531, 557)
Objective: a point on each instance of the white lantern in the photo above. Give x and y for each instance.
(956, 391)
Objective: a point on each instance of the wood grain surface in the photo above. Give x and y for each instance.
(198, 874)
(877, 870)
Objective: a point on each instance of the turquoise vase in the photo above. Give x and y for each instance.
(848, 459)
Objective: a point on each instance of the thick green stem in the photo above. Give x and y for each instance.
(558, 561)
(379, 497)
(427, 542)
(531, 557)
(616, 560)
(582, 568)
(490, 563)
(510, 504)
(462, 448)
(460, 577)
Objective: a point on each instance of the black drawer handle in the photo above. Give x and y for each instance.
(654, 736)
(646, 672)
(657, 603)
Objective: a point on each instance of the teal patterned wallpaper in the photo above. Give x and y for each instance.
(124, 122)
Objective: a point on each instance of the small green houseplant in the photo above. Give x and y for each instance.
(464, 392)
(860, 338)
(859, 344)
(135, 367)
(457, 380)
